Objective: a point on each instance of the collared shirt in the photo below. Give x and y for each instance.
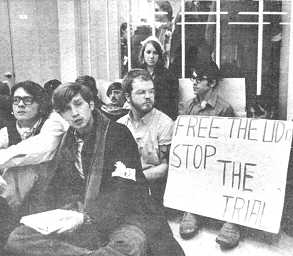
(26, 132)
(84, 147)
(215, 106)
(151, 131)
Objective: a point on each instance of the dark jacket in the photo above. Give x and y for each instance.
(111, 201)
(167, 92)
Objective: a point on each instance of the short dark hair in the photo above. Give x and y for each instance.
(66, 92)
(134, 74)
(38, 93)
(113, 86)
(89, 82)
(166, 7)
(157, 46)
(210, 70)
(51, 85)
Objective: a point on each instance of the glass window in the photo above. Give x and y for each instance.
(245, 38)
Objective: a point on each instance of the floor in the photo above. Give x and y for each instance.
(253, 242)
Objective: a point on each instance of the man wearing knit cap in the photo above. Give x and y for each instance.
(114, 110)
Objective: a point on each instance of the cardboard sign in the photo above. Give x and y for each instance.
(231, 169)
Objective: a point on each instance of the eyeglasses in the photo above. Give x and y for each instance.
(198, 79)
(116, 92)
(27, 100)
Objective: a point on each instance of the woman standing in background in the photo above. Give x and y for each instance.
(166, 84)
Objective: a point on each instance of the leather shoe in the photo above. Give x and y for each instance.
(229, 236)
(189, 225)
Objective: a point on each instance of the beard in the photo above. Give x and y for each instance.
(143, 108)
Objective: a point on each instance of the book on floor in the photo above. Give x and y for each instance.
(50, 221)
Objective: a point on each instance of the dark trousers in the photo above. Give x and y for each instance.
(125, 240)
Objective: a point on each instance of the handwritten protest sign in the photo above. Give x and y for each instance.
(232, 169)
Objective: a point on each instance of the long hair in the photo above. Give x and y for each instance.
(66, 92)
(38, 93)
(160, 64)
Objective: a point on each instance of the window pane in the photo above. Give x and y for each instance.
(199, 26)
(226, 31)
(239, 42)
(276, 19)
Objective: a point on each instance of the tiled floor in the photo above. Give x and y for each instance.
(254, 243)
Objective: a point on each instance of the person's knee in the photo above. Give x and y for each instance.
(129, 240)
(12, 244)
(17, 240)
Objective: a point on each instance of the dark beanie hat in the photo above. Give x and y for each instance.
(114, 86)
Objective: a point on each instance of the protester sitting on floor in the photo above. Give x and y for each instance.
(5, 107)
(207, 102)
(151, 128)
(38, 148)
(115, 109)
(23, 190)
(98, 174)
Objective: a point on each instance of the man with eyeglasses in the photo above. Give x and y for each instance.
(27, 100)
(207, 102)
